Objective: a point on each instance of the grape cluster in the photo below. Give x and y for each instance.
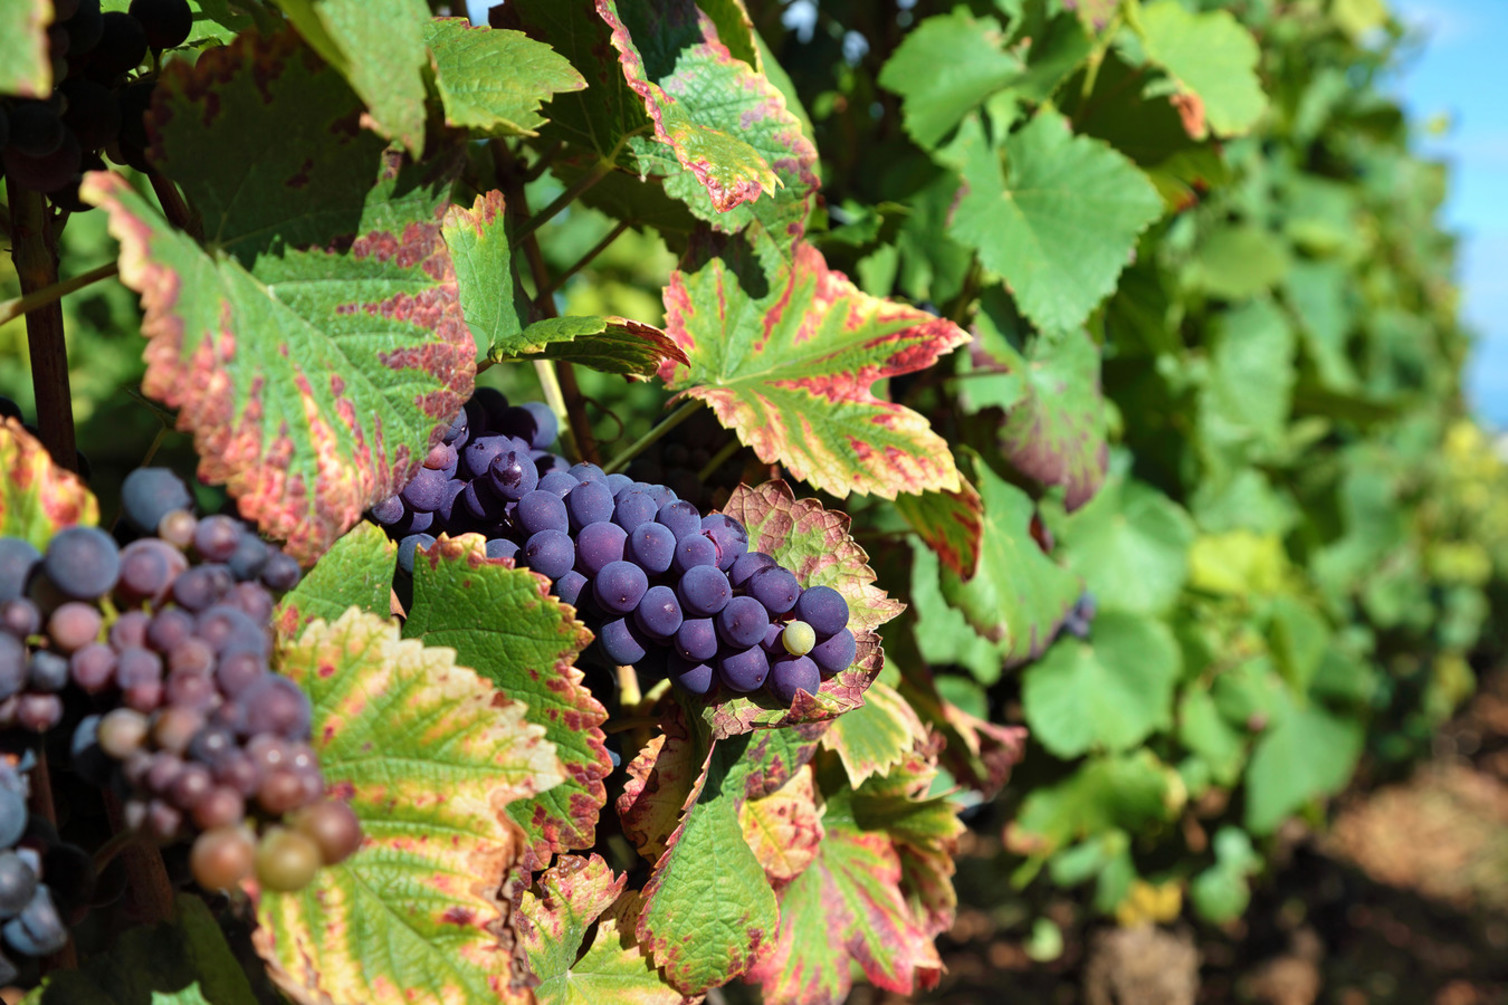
(182, 715)
(31, 923)
(100, 100)
(663, 587)
(699, 460)
(1080, 618)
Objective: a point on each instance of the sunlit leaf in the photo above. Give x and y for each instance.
(1213, 59)
(25, 68)
(38, 498)
(356, 572)
(493, 81)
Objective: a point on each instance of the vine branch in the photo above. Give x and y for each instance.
(637, 447)
(17, 306)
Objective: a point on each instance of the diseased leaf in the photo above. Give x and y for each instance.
(315, 347)
(661, 778)
(378, 46)
(785, 827)
(609, 344)
(1109, 692)
(504, 623)
(574, 894)
(478, 243)
(185, 961)
(38, 498)
(493, 82)
(1058, 219)
(25, 66)
(877, 736)
(421, 747)
(786, 357)
(977, 753)
(950, 523)
(356, 572)
(944, 68)
(1018, 593)
(1213, 59)
(814, 543)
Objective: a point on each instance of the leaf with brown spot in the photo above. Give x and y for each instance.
(314, 345)
(430, 756)
(977, 753)
(950, 523)
(504, 623)
(356, 572)
(660, 780)
(784, 827)
(38, 498)
(877, 736)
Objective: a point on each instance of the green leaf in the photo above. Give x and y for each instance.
(609, 344)
(1212, 57)
(1221, 893)
(1018, 593)
(422, 747)
(950, 523)
(185, 961)
(315, 346)
(786, 358)
(877, 736)
(478, 242)
(356, 572)
(378, 46)
(1307, 753)
(38, 498)
(1249, 393)
(1108, 693)
(1126, 791)
(493, 82)
(814, 543)
(944, 68)
(526, 643)
(1058, 219)
(1300, 640)
(1131, 546)
(943, 635)
(25, 66)
(1207, 733)
(553, 928)
(1237, 261)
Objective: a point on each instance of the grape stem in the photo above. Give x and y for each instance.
(585, 259)
(146, 876)
(719, 459)
(17, 306)
(599, 171)
(637, 447)
(40, 803)
(34, 250)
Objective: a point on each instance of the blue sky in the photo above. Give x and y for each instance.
(1462, 72)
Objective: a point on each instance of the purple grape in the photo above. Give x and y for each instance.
(479, 454)
(790, 673)
(38, 930)
(48, 672)
(546, 425)
(620, 586)
(694, 551)
(540, 510)
(776, 589)
(652, 545)
(169, 629)
(18, 560)
(408, 549)
(694, 678)
(13, 666)
(743, 622)
(824, 609)
(696, 640)
(587, 472)
(413, 522)
(236, 672)
(557, 483)
(443, 457)
(589, 502)
(633, 509)
(744, 670)
(681, 517)
(282, 571)
(622, 643)
(550, 553)
(216, 538)
(249, 558)
(458, 429)
(704, 590)
(501, 547)
(659, 613)
(147, 569)
(82, 562)
(512, 474)
(228, 630)
(747, 565)
(18, 883)
(20, 617)
(568, 587)
(480, 501)
(276, 705)
(597, 545)
(836, 653)
(617, 482)
(426, 492)
(448, 516)
(729, 536)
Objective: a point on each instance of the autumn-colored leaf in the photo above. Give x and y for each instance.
(786, 352)
(950, 523)
(877, 736)
(314, 346)
(660, 780)
(978, 753)
(38, 498)
(421, 747)
(504, 623)
(610, 344)
(25, 69)
(784, 827)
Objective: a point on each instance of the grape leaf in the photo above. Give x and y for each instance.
(814, 543)
(1109, 692)
(787, 357)
(38, 498)
(478, 243)
(1128, 791)
(553, 927)
(735, 29)
(1212, 57)
(1018, 593)
(877, 736)
(950, 523)
(1058, 219)
(944, 68)
(493, 82)
(609, 344)
(785, 827)
(1055, 432)
(185, 961)
(723, 139)
(25, 66)
(421, 747)
(976, 752)
(661, 778)
(1306, 752)
(1131, 546)
(1095, 14)
(315, 347)
(526, 644)
(356, 572)
(941, 633)
(378, 46)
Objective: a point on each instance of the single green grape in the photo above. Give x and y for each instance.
(799, 638)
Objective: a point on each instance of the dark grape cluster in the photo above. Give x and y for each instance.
(100, 99)
(155, 656)
(663, 587)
